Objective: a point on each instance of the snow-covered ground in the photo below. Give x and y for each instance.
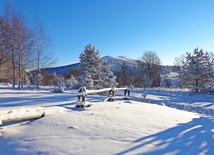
(119, 127)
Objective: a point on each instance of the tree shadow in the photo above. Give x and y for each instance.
(195, 137)
(33, 99)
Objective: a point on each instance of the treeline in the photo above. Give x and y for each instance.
(22, 48)
(195, 71)
(97, 72)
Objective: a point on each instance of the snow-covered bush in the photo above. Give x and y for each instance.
(61, 86)
(54, 80)
(71, 83)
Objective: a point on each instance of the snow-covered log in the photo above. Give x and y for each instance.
(21, 114)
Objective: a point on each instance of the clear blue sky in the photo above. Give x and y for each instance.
(123, 27)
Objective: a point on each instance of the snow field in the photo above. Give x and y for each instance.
(105, 128)
(119, 127)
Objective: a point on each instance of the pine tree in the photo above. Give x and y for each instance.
(107, 77)
(61, 85)
(197, 69)
(36, 78)
(54, 79)
(88, 81)
(90, 61)
(72, 82)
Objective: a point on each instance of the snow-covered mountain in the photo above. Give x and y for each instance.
(115, 62)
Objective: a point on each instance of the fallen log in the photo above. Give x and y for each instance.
(18, 115)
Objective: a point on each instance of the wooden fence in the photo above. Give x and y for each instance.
(82, 93)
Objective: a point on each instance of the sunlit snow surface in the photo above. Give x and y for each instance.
(119, 127)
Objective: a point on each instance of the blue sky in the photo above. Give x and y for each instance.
(123, 27)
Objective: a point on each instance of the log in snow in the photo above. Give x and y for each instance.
(20, 114)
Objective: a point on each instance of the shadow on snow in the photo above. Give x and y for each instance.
(195, 137)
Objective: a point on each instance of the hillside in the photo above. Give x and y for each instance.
(61, 70)
(114, 61)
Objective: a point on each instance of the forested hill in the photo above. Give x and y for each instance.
(61, 70)
(115, 62)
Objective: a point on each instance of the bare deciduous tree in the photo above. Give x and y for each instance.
(122, 74)
(4, 58)
(151, 66)
(43, 55)
(11, 42)
(23, 47)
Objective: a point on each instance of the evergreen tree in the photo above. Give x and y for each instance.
(197, 69)
(61, 85)
(54, 79)
(107, 77)
(90, 61)
(72, 82)
(88, 81)
(36, 79)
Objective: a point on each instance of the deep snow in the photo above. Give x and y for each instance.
(119, 127)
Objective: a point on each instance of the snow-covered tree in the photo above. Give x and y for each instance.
(72, 82)
(54, 79)
(61, 84)
(36, 79)
(107, 77)
(88, 81)
(211, 80)
(97, 71)
(179, 62)
(90, 61)
(197, 69)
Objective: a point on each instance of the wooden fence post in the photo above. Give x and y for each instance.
(127, 93)
(111, 94)
(81, 97)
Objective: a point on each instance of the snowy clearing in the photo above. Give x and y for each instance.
(119, 127)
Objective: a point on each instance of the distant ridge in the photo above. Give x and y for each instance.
(61, 70)
(114, 61)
